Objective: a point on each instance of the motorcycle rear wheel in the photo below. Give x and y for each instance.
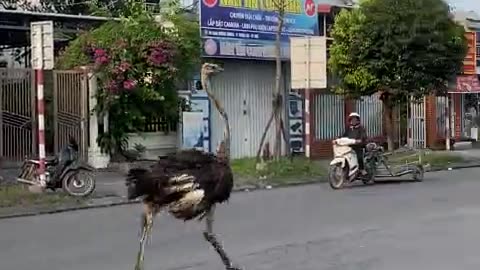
(79, 183)
(336, 176)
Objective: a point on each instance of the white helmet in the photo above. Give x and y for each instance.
(354, 114)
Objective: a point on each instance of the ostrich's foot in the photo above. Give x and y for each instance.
(212, 239)
(147, 224)
(141, 251)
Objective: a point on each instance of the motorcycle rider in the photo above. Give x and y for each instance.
(356, 131)
(65, 156)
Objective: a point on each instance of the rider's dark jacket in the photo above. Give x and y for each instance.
(357, 133)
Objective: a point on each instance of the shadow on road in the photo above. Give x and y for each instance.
(381, 182)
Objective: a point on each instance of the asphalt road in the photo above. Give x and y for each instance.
(429, 225)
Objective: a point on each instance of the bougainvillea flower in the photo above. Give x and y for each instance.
(124, 66)
(129, 85)
(160, 53)
(99, 53)
(157, 58)
(112, 86)
(102, 60)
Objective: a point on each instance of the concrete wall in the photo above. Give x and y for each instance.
(156, 143)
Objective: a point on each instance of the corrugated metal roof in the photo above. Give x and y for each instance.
(465, 15)
(55, 15)
(338, 3)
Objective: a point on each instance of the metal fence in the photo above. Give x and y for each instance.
(328, 116)
(371, 110)
(17, 111)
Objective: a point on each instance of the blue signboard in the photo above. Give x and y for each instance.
(247, 28)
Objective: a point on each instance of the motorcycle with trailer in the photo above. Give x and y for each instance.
(344, 166)
(75, 177)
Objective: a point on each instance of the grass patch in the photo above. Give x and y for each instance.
(20, 196)
(432, 158)
(281, 172)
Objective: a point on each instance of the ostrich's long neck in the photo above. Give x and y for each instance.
(205, 85)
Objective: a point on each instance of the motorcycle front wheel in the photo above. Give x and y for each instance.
(336, 176)
(79, 183)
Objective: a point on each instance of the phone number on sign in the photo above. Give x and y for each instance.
(213, 33)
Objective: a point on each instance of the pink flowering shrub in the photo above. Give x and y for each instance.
(155, 60)
(138, 66)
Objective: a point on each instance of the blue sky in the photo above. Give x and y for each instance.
(466, 5)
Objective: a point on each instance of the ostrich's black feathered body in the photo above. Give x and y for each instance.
(187, 183)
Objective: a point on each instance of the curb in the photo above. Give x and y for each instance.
(118, 201)
(454, 167)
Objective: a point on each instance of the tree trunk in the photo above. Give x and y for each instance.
(388, 114)
(264, 135)
(283, 134)
(277, 102)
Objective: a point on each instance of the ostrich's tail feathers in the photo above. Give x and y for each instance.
(189, 206)
(139, 183)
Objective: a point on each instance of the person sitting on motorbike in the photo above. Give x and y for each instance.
(65, 156)
(356, 131)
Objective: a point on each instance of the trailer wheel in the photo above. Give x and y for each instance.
(418, 173)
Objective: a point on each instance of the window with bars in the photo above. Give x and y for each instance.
(163, 124)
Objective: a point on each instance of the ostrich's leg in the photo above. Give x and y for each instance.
(147, 224)
(212, 239)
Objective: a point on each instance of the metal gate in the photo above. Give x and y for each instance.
(70, 108)
(328, 116)
(17, 114)
(417, 124)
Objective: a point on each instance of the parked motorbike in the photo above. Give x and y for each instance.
(344, 166)
(75, 177)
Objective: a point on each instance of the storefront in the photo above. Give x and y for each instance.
(465, 104)
(241, 37)
(465, 95)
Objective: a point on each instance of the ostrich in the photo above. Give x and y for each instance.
(188, 184)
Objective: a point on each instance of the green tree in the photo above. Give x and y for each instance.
(400, 48)
(78, 7)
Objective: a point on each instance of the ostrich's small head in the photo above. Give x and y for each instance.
(211, 69)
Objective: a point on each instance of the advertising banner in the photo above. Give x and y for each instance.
(466, 84)
(246, 29)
